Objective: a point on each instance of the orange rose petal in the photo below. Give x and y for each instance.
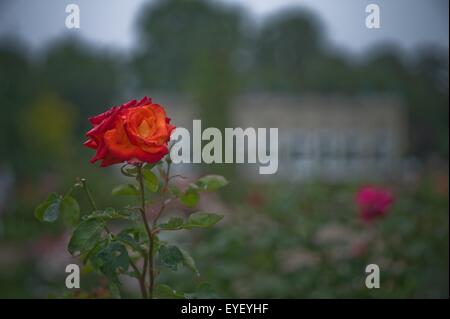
(118, 143)
(134, 131)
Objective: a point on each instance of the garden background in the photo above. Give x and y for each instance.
(279, 238)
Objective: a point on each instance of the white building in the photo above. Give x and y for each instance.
(328, 138)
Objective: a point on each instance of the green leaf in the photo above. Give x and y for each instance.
(70, 210)
(125, 190)
(113, 257)
(129, 240)
(190, 198)
(108, 215)
(196, 220)
(173, 223)
(87, 254)
(165, 292)
(175, 191)
(111, 260)
(48, 211)
(149, 166)
(150, 180)
(138, 232)
(85, 236)
(201, 219)
(170, 256)
(211, 182)
(189, 262)
(40, 210)
(52, 212)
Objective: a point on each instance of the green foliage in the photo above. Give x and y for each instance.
(202, 220)
(111, 259)
(165, 292)
(173, 223)
(125, 190)
(306, 242)
(170, 256)
(113, 253)
(189, 262)
(150, 180)
(130, 239)
(70, 210)
(175, 191)
(55, 205)
(86, 235)
(195, 220)
(110, 214)
(48, 211)
(190, 197)
(210, 183)
(207, 183)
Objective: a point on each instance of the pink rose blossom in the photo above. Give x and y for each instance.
(373, 202)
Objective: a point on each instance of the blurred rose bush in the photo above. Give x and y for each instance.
(373, 202)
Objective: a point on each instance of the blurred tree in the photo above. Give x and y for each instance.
(330, 73)
(17, 78)
(424, 87)
(47, 127)
(86, 78)
(284, 47)
(427, 95)
(384, 71)
(290, 56)
(188, 46)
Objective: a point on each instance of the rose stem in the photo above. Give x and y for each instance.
(88, 193)
(141, 279)
(149, 233)
(164, 190)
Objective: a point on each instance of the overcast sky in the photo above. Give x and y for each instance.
(408, 23)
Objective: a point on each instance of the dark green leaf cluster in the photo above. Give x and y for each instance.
(114, 253)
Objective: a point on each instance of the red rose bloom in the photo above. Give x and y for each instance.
(373, 202)
(133, 132)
